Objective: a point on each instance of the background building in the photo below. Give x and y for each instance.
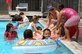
(39, 6)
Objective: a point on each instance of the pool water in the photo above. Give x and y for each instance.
(6, 47)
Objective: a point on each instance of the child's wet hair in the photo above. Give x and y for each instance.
(35, 17)
(47, 30)
(21, 13)
(44, 32)
(8, 27)
(28, 34)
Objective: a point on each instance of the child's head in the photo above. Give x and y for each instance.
(35, 18)
(39, 28)
(21, 13)
(46, 33)
(28, 34)
(9, 27)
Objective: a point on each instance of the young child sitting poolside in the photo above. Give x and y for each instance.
(10, 33)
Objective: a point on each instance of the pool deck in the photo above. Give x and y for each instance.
(75, 47)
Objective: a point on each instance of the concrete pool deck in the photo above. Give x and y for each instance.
(75, 47)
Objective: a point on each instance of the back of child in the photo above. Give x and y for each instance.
(28, 34)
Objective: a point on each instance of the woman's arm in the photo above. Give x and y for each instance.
(48, 20)
(59, 18)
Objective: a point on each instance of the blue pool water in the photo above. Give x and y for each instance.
(6, 47)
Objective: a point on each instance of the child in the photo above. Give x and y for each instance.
(10, 34)
(38, 36)
(28, 34)
(46, 33)
(25, 19)
(32, 25)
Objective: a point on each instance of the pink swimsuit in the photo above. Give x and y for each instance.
(72, 18)
(68, 12)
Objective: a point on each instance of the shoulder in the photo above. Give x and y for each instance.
(14, 32)
(33, 24)
(6, 33)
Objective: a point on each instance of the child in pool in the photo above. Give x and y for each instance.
(38, 36)
(32, 25)
(10, 33)
(27, 35)
(25, 19)
(46, 34)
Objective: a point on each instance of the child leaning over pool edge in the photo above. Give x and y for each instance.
(10, 33)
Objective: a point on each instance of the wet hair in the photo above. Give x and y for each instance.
(39, 28)
(46, 30)
(21, 13)
(35, 17)
(28, 34)
(17, 18)
(61, 6)
(8, 27)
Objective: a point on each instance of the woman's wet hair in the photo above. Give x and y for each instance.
(8, 27)
(28, 34)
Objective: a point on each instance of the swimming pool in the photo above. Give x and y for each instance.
(6, 47)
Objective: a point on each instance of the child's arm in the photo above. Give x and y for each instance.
(35, 29)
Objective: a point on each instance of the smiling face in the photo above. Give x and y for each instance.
(11, 29)
(46, 34)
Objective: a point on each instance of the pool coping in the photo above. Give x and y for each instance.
(73, 46)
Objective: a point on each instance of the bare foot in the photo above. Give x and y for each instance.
(67, 40)
(63, 38)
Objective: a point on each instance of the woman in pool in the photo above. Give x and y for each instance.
(71, 23)
(10, 33)
(32, 25)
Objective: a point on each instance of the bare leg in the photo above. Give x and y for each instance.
(77, 32)
(67, 33)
